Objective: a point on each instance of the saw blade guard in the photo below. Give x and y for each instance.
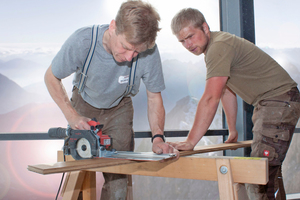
(83, 144)
(84, 148)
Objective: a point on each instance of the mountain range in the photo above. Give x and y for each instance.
(26, 106)
(33, 107)
(184, 86)
(12, 95)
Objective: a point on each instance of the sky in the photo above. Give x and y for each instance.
(35, 27)
(277, 23)
(35, 21)
(34, 30)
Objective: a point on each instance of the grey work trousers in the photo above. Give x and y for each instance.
(274, 121)
(117, 123)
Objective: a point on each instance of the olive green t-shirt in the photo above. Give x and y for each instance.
(252, 74)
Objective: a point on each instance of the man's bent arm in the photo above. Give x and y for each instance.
(229, 103)
(60, 97)
(205, 112)
(206, 108)
(156, 117)
(156, 113)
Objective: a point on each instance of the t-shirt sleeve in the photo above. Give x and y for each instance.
(219, 59)
(153, 77)
(72, 54)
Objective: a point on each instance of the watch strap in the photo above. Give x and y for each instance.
(158, 135)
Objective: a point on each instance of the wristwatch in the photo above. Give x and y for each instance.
(158, 135)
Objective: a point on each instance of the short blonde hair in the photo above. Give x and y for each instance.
(138, 21)
(186, 17)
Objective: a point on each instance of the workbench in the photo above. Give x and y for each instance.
(230, 172)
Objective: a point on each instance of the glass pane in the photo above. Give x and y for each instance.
(31, 35)
(28, 46)
(183, 71)
(16, 182)
(277, 29)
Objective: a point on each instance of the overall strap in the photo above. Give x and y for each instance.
(85, 68)
(131, 76)
(130, 81)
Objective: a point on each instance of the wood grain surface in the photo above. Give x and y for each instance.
(88, 164)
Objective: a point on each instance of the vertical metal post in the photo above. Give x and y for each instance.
(237, 17)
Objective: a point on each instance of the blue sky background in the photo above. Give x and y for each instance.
(277, 23)
(35, 30)
(40, 27)
(36, 21)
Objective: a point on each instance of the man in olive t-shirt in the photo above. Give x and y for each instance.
(237, 67)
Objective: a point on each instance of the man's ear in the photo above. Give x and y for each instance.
(112, 27)
(205, 27)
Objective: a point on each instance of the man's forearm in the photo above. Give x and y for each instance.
(58, 94)
(229, 103)
(205, 113)
(156, 113)
(207, 108)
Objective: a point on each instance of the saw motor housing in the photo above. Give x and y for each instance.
(83, 144)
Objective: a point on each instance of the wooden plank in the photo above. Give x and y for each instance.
(61, 158)
(89, 186)
(240, 191)
(217, 147)
(77, 165)
(225, 180)
(74, 185)
(102, 162)
(85, 182)
(63, 189)
(129, 188)
(245, 170)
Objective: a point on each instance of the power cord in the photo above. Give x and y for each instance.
(61, 181)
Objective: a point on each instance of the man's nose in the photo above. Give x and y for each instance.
(130, 55)
(187, 45)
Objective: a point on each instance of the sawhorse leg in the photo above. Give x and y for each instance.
(228, 190)
(75, 182)
(85, 181)
(129, 188)
(78, 181)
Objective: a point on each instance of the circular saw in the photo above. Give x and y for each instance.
(85, 144)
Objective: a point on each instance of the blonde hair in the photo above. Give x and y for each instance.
(138, 21)
(186, 17)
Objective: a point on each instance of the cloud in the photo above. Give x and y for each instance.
(40, 53)
(27, 49)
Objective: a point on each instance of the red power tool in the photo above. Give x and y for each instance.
(84, 144)
(96, 127)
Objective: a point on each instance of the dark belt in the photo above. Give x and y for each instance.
(294, 94)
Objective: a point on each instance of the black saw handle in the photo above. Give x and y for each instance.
(57, 133)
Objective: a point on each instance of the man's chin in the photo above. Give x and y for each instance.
(119, 60)
(196, 53)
